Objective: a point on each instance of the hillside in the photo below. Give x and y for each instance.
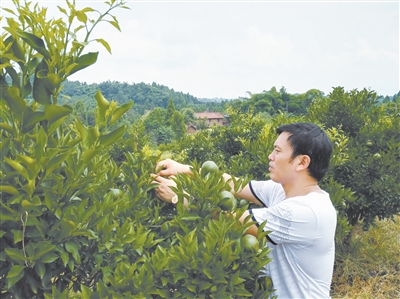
(145, 96)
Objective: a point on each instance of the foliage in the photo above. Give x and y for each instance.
(74, 223)
(274, 102)
(146, 96)
(242, 148)
(55, 180)
(372, 165)
(196, 256)
(165, 125)
(79, 217)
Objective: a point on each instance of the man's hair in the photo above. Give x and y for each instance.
(309, 139)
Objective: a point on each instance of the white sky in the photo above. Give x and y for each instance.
(226, 48)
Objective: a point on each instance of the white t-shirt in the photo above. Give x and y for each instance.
(302, 240)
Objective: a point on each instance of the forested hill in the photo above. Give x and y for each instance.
(145, 96)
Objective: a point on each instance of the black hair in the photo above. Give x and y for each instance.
(309, 139)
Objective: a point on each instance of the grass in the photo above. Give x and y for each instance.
(370, 266)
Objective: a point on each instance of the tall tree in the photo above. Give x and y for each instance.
(178, 124)
(170, 111)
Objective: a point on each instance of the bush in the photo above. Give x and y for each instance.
(371, 169)
(74, 223)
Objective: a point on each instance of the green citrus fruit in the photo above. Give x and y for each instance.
(209, 166)
(250, 243)
(227, 201)
(243, 202)
(377, 156)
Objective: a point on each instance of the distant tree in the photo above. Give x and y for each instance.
(155, 119)
(201, 123)
(371, 170)
(177, 123)
(348, 110)
(162, 135)
(188, 115)
(170, 111)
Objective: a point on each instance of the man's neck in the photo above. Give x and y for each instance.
(301, 187)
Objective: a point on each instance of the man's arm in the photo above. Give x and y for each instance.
(170, 167)
(253, 229)
(244, 192)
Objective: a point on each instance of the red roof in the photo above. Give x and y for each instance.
(209, 115)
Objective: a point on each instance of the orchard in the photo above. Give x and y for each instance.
(74, 223)
(78, 222)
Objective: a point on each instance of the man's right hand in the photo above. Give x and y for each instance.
(170, 167)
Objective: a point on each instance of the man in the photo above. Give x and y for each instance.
(299, 214)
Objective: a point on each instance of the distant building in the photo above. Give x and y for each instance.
(211, 119)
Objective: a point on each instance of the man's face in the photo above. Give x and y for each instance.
(282, 167)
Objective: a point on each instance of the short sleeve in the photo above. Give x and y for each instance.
(268, 193)
(288, 222)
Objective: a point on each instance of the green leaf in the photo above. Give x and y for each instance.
(17, 235)
(15, 254)
(17, 167)
(112, 137)
(12, 96)
(33, 283)
(52, 81)
(81, 16)
(14, 275)
(33, 202)
(119, 112)
(105, 44)
(54, 112)
(62, 10)
(89, 155)
(41, 143)
(6, 213)
(35, 42)
(208, 273)
(102, 104)
(27, 89)
(40, 269)
(64, 257)
(84, 61)
(5, 146)
(18, 51)
(31, 118)
(191, 218)
(49, 258)
(42, 93)
(8, 189)
(7, 127)
(86, 292)
(56, 161)
(30, 162)
(14, 76)
(81, 129)
(72, 248)
(115, 24)
(70, 68)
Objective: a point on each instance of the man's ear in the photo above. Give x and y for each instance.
(304, 162)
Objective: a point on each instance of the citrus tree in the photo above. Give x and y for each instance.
(372, 166)
(74, 223)
(53, 178)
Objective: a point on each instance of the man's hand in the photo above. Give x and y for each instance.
(163, 191)
(170, 167)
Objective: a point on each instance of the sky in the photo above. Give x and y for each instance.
(230, 49)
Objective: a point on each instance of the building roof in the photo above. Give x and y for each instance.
(208, 115)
